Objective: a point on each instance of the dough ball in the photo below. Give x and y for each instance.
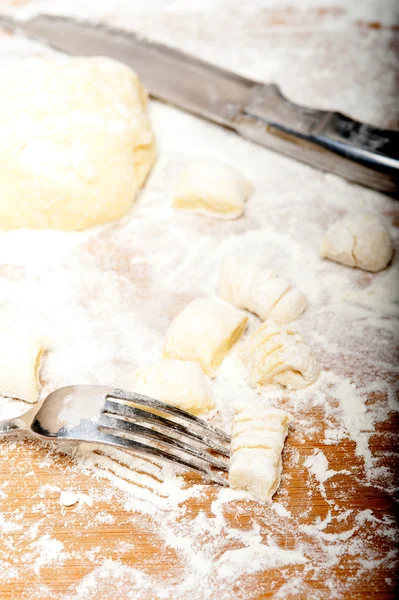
(358, 240)
(176, 382)
(69, 498)
(76, 143)
(20, 362)
(212, 188)
(261, 291)
(276, 354)
(257, 443)
(204, 332)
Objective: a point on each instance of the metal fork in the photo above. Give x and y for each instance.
(103, 415)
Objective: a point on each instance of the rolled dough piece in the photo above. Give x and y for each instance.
(358, 240)
(260, 290)
(20, 362)
(257, 443)
(176, 382)
(76, 142)
(212, 188)
(204, 332)
(277, 354)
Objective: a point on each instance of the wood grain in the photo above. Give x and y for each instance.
(135, 542)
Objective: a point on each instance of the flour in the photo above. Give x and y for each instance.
(108, 576)
(7, 526)
(117, 289)
(46, 550)
(318, 466)
(280, 509)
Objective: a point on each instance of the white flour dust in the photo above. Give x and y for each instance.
(104, 299)
(318, 466)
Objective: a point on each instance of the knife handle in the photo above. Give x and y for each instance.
(326, 140)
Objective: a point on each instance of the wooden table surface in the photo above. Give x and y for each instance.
(33, 475)
(137, 543)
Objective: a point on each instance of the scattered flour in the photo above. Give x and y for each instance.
(257, 557)
(47, 550)
(318, 466)
(109, 576)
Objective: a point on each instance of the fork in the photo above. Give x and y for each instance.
(114, 417)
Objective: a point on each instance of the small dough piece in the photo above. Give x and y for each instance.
(20, 362)
(175, 382)
(209, 187)
(260, 290)
(257, 443)
(69, 498)
(204, 332)
(358, 240)
(76, 143)
(276, 354)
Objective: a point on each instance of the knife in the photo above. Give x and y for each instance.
(327, 140)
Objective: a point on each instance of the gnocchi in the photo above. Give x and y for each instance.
(257, 443)
(212, 188)
(204, 332)
(358, 240)
(261, 291)
(20, 364)
(176, 382)
(275, 354)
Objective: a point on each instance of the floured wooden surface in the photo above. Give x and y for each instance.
(105, 298)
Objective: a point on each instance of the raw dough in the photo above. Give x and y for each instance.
(358, 240)
(69, 498)
(20, 362)
(212, 188)
(257, 443)
(204, 332)
(76, 143)
(277, 354)
(260, 290)
(176, 382)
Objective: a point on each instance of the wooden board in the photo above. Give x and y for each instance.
(136, 543)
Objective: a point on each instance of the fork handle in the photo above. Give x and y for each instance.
(10, 426)
(21, 423)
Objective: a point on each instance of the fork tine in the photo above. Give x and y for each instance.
(169, 456)
(120, 427)
(133, 414)
(188, 418)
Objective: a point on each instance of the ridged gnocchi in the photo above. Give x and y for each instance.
(204, 332)
(276, 354)
(261, 291)
(258, 437)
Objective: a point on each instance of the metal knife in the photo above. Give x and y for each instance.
(327, 140)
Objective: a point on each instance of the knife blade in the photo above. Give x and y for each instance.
(326, 140)
(168, 74)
